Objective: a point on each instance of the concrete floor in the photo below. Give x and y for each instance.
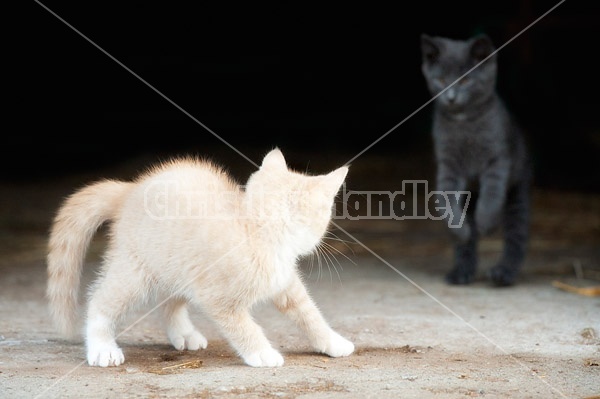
(415, 336)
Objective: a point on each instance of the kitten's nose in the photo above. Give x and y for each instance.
(451, 95)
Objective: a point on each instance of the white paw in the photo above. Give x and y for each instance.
(192, 341)
(266, 358)
(105, 355)
(338, 346)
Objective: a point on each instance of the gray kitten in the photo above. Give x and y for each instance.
(478, 147)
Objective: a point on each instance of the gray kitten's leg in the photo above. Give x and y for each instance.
(465, 257)
(450, 181)
(516, 235)
(492, 195)
(296, 303)
(180, 330)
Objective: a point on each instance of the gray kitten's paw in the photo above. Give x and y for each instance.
(266, 358)
(503, 275)
(458, 276)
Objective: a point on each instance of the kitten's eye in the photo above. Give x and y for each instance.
(464, 81)
(431, 58)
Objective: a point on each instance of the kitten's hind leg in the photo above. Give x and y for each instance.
(465, 258)
(110, 299)
(296, 303)
(180, 330)
(516, 234)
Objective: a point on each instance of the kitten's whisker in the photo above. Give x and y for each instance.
(339, 264)
(332, 236)
(311, 264)
(333, 248)
(315, 255)
(322, 260)
(328, 255)
(318, 265)
(329, 264)
(341, 253)
(326, 261)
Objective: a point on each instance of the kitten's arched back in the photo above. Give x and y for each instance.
(186, 233)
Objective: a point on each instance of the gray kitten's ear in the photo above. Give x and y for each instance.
(274, 159)
(482, 47)
(429, 49)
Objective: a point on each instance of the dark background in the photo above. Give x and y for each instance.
(325, 80)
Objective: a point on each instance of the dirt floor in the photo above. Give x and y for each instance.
(415, 336)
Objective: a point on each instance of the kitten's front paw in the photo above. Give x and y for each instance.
(338, 346)
(460, 277)
(265, 358)
(503, 276)
(105, 355)
(461, 234)
(486, 222)
(193, 340)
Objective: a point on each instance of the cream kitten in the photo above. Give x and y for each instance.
(186, 233)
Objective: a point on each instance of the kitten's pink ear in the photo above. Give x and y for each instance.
(274, 159)
(335, 179)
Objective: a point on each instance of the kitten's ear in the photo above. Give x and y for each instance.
(274, 159)
(333, 180)
(482, 47)
(429, 49)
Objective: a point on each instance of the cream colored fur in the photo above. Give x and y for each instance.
(185, 233)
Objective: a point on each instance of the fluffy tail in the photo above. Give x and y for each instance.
(77, 221)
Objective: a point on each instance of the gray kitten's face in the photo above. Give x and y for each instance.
(446, 60)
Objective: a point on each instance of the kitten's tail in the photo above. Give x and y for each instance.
(77, 221)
